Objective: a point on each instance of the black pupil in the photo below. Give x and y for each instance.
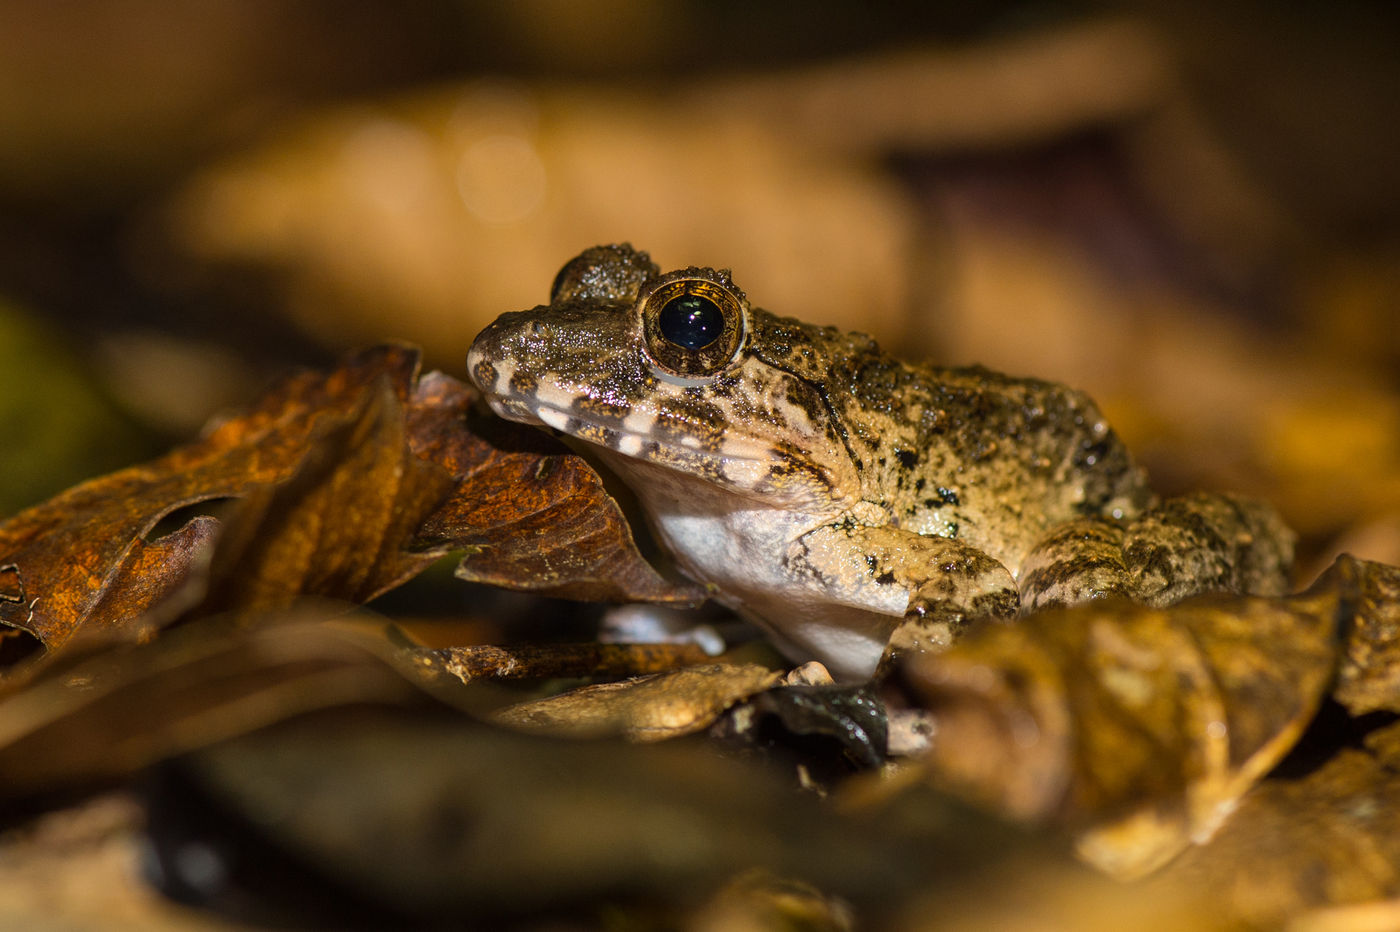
(691, 321)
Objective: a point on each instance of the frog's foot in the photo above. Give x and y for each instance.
(943, 608)
(930, 626)
(1185, 546)
(1208, 543)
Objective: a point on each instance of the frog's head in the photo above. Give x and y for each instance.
(675, 370)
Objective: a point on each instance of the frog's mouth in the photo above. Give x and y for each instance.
(734, 461)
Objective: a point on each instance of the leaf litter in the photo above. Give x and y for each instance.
(1149, 739)
(344, 486)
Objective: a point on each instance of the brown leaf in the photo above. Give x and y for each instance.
(1328, 838)
(336, 473)
(531, 514)
(550, 661)
(62, 557)
(152, 573)
(1145, 724)
(644, 708)
(338, 527)
(1369, 678)
(111, 714)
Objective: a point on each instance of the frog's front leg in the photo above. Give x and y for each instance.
(938, 584)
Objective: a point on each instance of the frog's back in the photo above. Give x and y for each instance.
(970, 453)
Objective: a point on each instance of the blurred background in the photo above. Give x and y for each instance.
(1191, 210)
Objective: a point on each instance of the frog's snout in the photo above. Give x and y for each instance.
(492, 364)
(490, 345)
(479, 367)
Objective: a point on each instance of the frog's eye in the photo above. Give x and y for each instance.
(691, 321)
(693, 326)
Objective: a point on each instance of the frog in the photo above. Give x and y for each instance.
(850, 503)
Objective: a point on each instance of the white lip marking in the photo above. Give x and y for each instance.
(629, 445)
(549, 394)
(688, 441)
(639, 422)
(556, 419)
(505, 369)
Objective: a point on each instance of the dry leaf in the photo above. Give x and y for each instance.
(530, 514)
(339, 526)
(1369, 678)
(645, 708)
(60, 558)
(109, 715)
(1143, 724)
(1327, 838)
(548, 661)
(337, 475)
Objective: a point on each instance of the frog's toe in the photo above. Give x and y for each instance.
(927, 626)
(931, 624)
(1077, 561)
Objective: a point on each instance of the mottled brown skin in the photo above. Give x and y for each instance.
(828, 490)
(961, 453)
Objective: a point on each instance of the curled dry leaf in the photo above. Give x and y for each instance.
(155, 573)
(546, 661)
(530, 514)
(1369, 678)
(1143, 725)
(337, 476)
(339, 526)
(645, 708)
(107, 716)
(1325, 839)
(59, 559)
